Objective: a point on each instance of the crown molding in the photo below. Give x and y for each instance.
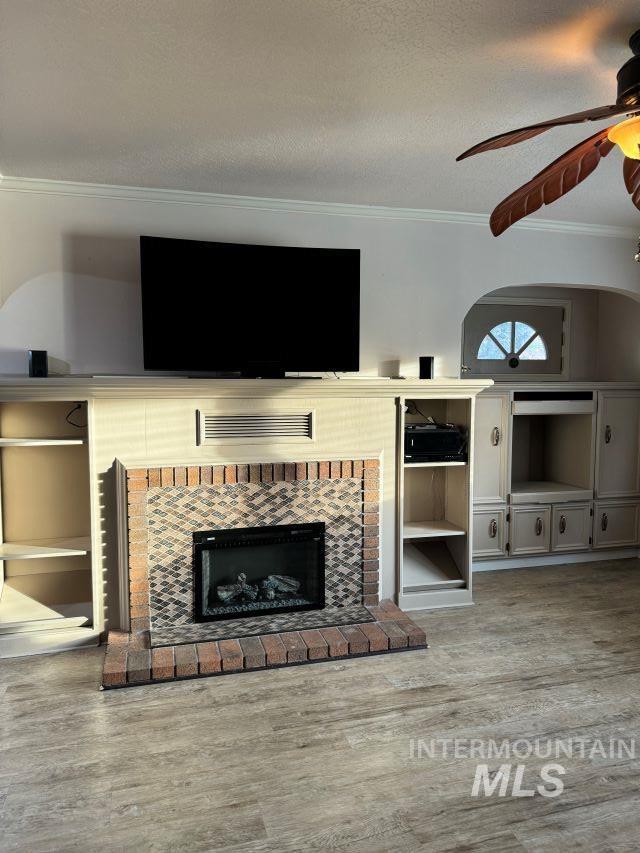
(162, 196)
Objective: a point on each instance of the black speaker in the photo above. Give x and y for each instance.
(426, 367)
(38, 363)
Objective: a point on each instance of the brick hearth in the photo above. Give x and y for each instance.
(130, 661)
(166, 504)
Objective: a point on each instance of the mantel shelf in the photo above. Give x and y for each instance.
(430, 529)
(39, 442)
(42, 548)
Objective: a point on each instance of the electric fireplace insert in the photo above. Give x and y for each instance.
(253, 571)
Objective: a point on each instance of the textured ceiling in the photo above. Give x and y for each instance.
(363, 101)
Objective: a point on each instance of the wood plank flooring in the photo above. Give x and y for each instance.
(317, 757)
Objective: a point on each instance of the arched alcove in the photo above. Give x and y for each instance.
(597, 337)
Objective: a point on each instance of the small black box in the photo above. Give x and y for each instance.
(38, 363)
(426, 367)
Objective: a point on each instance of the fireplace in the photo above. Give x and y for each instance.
(258, 570)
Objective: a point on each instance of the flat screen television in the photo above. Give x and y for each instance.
(259, 310)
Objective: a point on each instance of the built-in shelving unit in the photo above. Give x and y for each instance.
(552, 451)
(46, 598)
(434, 515)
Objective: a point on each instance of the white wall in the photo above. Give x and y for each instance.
(70, 282)
(618, 337)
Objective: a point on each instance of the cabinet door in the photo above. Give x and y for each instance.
(490, 449)
(530, 530)
(489, 532)
(570, 527)
(618, 444)
(615, 523)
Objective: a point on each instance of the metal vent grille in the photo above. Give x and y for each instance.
(288, 426)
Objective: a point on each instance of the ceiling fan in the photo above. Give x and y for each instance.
(565, 173)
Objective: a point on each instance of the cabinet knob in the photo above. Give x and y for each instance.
(495, 436)
(563, 523)
(493, 528)
(538, 526)
(604, 521)
(607, 434)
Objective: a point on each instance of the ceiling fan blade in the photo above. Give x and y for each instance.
(631, 172)
(551, 183)
(511, 137)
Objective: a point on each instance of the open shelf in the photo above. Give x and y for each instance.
(547, 491)
(551, 457)
(46, 583)
(433, 515)
(19, 612)
(43, 548)
(430, 529)
(434, 464)
(39, 442)
(429, 566)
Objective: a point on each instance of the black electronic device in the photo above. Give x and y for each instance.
(432, 442)
(258, 310)
(426, 367)
(38, 363)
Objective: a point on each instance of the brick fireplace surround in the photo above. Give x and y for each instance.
(163, 507)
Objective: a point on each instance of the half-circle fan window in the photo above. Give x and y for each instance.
(514, 341)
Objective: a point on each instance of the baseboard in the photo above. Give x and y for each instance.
(541, 562)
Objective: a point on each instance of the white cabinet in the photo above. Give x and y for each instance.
(490, 448)
(618, 444)
(530, 530)
(615, 523)
(570, 527)
(489, 532)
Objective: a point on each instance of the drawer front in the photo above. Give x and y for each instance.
(570, 527)
(530, 530)
(489, 532)
(615, 524)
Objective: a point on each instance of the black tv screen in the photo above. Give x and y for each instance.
(220, 307)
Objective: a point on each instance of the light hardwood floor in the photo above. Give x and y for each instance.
(317, 757)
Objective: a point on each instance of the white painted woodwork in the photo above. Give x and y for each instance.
(434, 464)
(489, 532)
(530, 530)
(615, 523)
(491, 448)
(70, 547)
(552, 457)
(545, 491)
(46, 495)
(570, 527)
(150, 422)
(19, 612)
(434, 514)
(553, 407)
(39, 442)
(431, 529)
(618, 444)
(429, 566)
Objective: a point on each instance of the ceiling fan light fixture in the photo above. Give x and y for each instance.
(627, 136)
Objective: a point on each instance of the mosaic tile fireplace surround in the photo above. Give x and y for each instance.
(167, 506)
